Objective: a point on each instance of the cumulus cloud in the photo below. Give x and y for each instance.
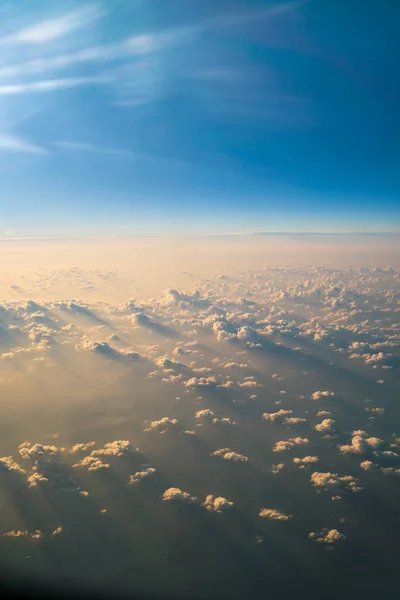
(273, 514)
(91, 463)
(8, 464)
(161, 425)
(36, 535)
(217, 503)
(290, 443)
(116, 448)
(326, 426)
(307, 460)
(228, 454)
(321, 394)
(361, 444)
(204, 414)
(332, 481)
(327, 536)
(175, 494)
(276, 416)
(140, 475)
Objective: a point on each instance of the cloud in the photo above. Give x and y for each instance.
(35, 535)
(40, 452)
(91, 463)
(274, 515)
(277, 468)
(50, 30)
(318, 395)
(361, 444)
(328, 481)
(228, 454)
(223, 421)
(217, 503)
(140, 475)
(50, 85)
(204, 414)
(276, 416)
(8, 464)
(117, 448)
(307, 460)
(326, 426)
(14, 143)
(162, 424)
(327, 536)
(288, 444)
(175, 494)
(82, 447)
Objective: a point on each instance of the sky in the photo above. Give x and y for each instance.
(218, 418)
(155, 117)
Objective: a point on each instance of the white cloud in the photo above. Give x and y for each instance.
(53, 29)
(16, 144)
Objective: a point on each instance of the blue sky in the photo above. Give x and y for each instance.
(209, 116)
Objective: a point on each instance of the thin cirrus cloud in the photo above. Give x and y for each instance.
(50, 30)
(49, 85)
(137, 45)
(14, 143)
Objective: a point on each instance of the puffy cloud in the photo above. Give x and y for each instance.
(104, 349)
(140, 475)
(294, 420)
(91, 463)
(162, 424)
(117, 448)
(334, 481)
(276, 416)
(276, 468)
(35, 535)
(321, 394)
(201, 382)
(307, 460)
(8, 464)
(57, 531)
(228, 454)
(290, 443)
(223, 421)
(327, 536)
(326, 426)
(274, 515)
(82, 447)
(204, 414)
(217, 503)
(361, 444)
(175, 494)
(40, 452)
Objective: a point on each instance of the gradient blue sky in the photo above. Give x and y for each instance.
(156, 116)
